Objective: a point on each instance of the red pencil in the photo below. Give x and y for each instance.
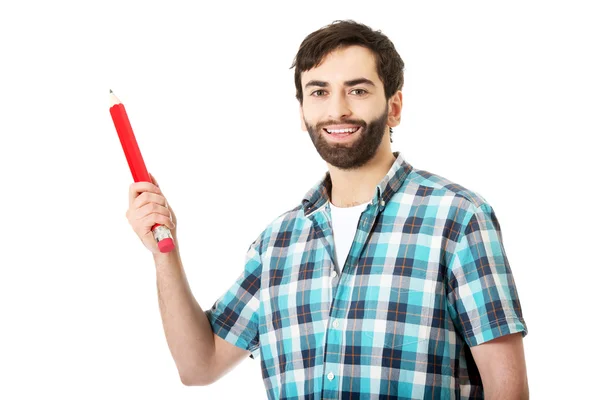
(162, 234)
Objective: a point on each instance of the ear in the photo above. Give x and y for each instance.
(394, 109)
(302, 124)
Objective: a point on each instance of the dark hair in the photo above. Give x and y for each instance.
(340, 34)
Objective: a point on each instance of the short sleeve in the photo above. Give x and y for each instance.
(482, 296)
(234, 316)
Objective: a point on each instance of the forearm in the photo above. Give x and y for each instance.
(187, 329)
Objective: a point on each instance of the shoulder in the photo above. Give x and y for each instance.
(281, 226)
(424, 183)
(448, 201)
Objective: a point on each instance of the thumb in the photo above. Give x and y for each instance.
(153, 179)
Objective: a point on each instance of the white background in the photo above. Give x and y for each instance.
(502, 99)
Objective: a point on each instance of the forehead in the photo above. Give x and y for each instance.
(344, 64)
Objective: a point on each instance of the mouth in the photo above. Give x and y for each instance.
(341, 132)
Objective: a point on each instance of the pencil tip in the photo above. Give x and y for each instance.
(111, 90)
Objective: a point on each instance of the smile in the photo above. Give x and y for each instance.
(341, 131)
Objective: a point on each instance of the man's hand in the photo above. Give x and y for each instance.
(148, 206)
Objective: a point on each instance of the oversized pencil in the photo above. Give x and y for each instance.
(161, 233)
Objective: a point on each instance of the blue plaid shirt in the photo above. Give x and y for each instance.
(427, 277)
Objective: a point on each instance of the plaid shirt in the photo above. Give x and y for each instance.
(426, 278)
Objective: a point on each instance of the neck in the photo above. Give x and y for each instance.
(354, 187)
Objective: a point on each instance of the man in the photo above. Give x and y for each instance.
(385, 281)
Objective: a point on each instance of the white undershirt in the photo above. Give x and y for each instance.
(344, 221)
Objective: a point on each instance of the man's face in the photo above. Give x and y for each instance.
(345, 93)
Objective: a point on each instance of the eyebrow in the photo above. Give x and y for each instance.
(352, 82)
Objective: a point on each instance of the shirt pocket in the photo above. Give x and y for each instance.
(399, 306)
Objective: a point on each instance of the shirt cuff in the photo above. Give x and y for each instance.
(495, 329)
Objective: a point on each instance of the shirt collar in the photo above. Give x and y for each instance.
(318, 195)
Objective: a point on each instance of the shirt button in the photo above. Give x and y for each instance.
(334, 273)
(336, 324)
(330, 376)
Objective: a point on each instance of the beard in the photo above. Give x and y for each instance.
(358, 151)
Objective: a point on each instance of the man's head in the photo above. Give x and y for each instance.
(348, 76)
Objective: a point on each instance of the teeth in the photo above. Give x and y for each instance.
(348, 130)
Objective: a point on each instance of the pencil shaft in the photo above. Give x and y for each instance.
(129, 144)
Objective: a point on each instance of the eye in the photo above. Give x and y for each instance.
(315, 93)
(360, 92)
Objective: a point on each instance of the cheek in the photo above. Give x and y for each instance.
(309, 111)
(311, 117)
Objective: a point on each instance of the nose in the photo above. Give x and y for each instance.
(338, 108)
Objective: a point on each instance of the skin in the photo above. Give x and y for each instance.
(358, 165)
(501, 364)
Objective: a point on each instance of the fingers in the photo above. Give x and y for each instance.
(148, 197)
(151, 219)
(148, 207)
(146, 216)
(151, 208)
(140, 187)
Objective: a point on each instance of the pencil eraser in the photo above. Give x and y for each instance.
(166, 245)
